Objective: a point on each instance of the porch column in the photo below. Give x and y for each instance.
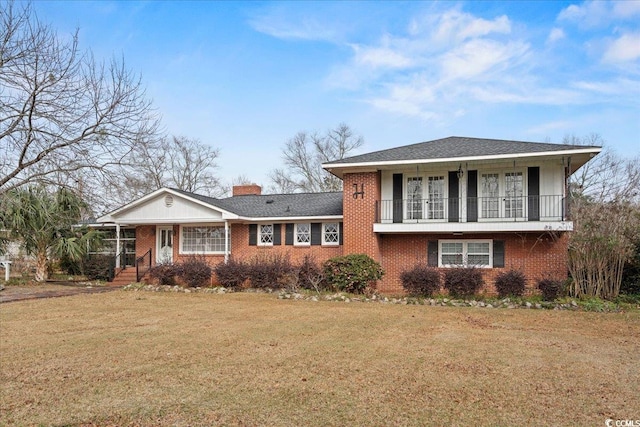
(117, 245)
(226, 241)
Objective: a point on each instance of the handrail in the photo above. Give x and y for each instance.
(141, 264)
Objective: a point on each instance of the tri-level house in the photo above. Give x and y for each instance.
(452, 202)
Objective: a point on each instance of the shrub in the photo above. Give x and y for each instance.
(421, 280)
(550, 288)
(165, 274)
(98, 267)
(72, 267)
(310, 274)
(352, 273)
(510, 283)
(232, 274)
(195, 272)
(462, 282)
(269, 271)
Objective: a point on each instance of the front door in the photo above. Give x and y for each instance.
(165, 245)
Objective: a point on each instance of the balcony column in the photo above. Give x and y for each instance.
(226, 241)
(117, 246)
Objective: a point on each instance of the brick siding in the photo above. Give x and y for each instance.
(537, 255)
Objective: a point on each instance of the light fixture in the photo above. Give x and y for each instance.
(460, 171)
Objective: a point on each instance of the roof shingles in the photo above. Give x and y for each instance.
(452, 147)
(277, 205)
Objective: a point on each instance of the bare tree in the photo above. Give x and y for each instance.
(303, 157)
(62, 113)
(606, 213)
(607, 177)
(178, 162)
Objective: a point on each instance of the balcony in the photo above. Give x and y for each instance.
(473, 214)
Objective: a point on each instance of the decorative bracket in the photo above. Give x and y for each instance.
(357, 193)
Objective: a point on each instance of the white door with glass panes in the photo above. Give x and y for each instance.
(490, 191)
(436, 203)
(414, 198)
(164, 253)
(514, 195)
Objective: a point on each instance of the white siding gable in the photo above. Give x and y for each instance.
(168, 208)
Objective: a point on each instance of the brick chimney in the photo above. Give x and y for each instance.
(247, 190)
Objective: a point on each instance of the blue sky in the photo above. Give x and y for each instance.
(245, 77)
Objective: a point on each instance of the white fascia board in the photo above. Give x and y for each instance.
(589, 150)
(292, 218)
(111, 216)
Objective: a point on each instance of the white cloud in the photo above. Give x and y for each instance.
(478, 56)
(596, 13)
(589, 14)
(383, 56)
(454, 26)
(626, 9)
(555, 35)
(626, 48)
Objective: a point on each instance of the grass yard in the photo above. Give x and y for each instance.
(147, 359)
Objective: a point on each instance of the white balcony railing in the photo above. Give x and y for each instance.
(472, 209)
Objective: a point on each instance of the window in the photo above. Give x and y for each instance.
(465, 253)
(303, 234)
(265, 237)
(203, 239)
(330, 233)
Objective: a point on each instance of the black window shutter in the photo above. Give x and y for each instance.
(340, 234)
(277, 235)
(397, 198)
(316, 233)
(533, 178)
(453, 197)
(288, 234)
(498, 253)
(253, 234)
(432, 253)
(472, 196)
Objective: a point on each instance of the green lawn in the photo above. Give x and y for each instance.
(146, 359)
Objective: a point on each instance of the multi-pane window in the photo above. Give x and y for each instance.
(465, 253)
(514, 192)
(330, 233)
(490, 195)
(265, 235)
(303, 234)
(414, 198)
(452, 253)
(478, 254)
(203, 239)
(436, 197)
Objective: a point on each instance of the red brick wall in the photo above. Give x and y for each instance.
(240, 249)
(535, 254)
(359, 214)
